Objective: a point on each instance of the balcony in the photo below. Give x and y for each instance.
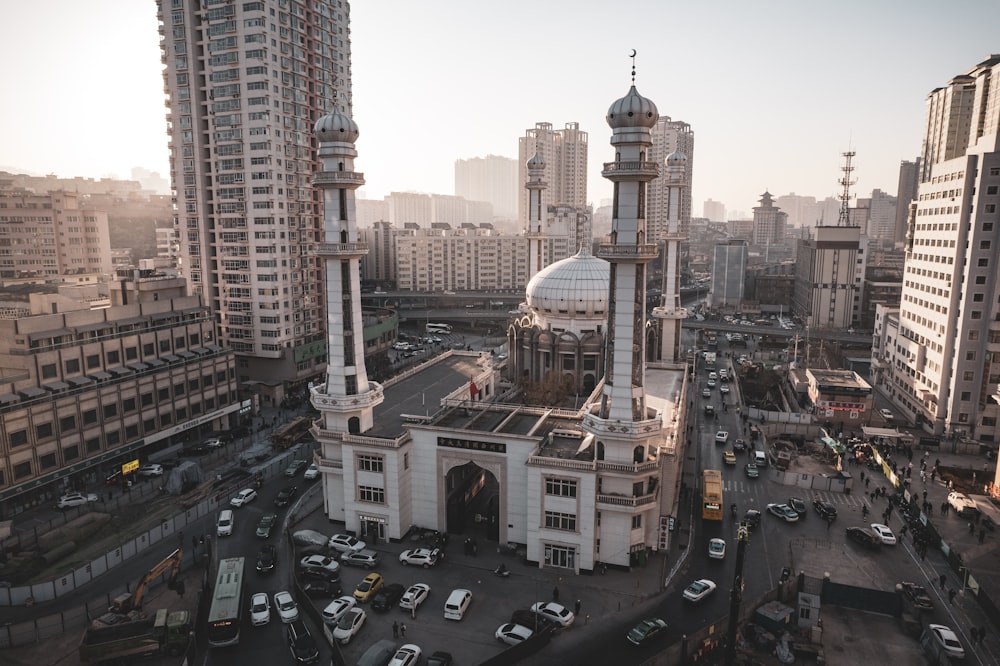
(633, 170)
(625, 501)
(341, 250)
(628, 253)
(342, 178)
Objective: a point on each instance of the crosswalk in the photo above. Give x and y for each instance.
(766, 493)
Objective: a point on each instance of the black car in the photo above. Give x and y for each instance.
(740, 445)
(319, 574)
(751, 471)
(917, 595)
(533, 621)
(387, 597)
(798, 505)
(864, 537)
(301, 643)
(752, 518)
(322, 589)
(439, 658)
(825, 509)
(285, 496)
(267, 558)
(196, 449)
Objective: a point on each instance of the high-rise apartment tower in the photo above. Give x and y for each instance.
(564, 153)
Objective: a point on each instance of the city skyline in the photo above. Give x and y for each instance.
(722, 73)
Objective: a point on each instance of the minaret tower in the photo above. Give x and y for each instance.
(670, 314)
(346, 399)
(536, 215)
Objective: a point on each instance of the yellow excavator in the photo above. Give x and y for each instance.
(127, 603)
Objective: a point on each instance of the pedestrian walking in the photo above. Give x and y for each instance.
(951, 596)
(829, 524)
(942, 580)
(982, 535)
(402, 630)
(555, 593)
(395, 629)
(973, 635)
(576, 607)
(972, 528)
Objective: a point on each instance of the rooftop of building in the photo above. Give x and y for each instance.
(834, 379)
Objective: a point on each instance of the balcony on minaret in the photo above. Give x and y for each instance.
(628, 253)
(350, 179)
(670, 312)
(341, 250)
(535, 234)
(675, 236)
(631, 170)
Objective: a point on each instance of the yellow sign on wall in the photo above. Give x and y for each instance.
(130, 466)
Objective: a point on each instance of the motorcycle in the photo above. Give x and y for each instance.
(734, 510)
(501, 571)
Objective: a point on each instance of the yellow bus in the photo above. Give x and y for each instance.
(711, 491)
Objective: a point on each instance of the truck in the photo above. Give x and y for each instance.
(167, 633)
(290, 433)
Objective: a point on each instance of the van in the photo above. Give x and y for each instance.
(225, 524)
(458, 602)
(760, 458)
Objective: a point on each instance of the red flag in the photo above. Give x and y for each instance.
(473, 389)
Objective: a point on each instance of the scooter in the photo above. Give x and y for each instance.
(501, 571)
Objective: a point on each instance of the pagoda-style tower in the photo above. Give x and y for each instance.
(670, 314)
(346, 399)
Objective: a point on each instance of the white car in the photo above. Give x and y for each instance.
(721, 437)
(406, 655)
(320, 563)
(424, 557)
(288, 610)
(337, 609)
(415, 595)
(886, 414)
(312, 472)
(724, 389)
(717, 549)
(556, 612)
(349, 625)
(883, 532)
(213, 443)
(152, 469)
(345, 543)
(260, 609)
(70, 500)
(699, 589)
(243, 497)
(947, 639)
(512, 633)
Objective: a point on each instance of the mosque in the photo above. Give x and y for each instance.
(453, 446)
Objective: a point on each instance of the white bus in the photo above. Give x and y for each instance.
(439, 328)
(226, 613)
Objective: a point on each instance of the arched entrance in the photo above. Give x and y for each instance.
(472, 502)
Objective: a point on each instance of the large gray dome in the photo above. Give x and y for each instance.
(336, 126)
(576, 286)
(632, 110)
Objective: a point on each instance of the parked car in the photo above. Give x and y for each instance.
(243, 497)
(294, 467)
(408, 654)
(267, 558)
(319, 588)
(440, 658)
(345, 543)
(288, 610)
(884, 533)
(213, 443)
(337, 608)
(415, 595)
(864, 537)
(886, 414)
(327, 564)
(798, 505)
(424, 557)
(285, 496)
(361, 558)
(556, 612)
(387, 597)
(699, 589)
(312, 472)
(301, 643)
(783, 511)
(963, 504)
(266, 524)
(512, 634)
(349, 625)
(309, 538)
(647, 630)
(917, 595)
(69, 500)
(947, 640)
(825, 509)
(717, 548)
(260, 609)
(368, 587)
(152, 469)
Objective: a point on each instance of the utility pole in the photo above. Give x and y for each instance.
(736, 593)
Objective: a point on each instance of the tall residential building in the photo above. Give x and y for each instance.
(245, 83)
(44, 236)
(941, 367)
(670, 137)
(370, 211)
(768, 223)
(465, 259)
(827, 277)
(492, 178)
(880, 219)
(713, 210)
(729, 270)
(906, 192)
(564, 153)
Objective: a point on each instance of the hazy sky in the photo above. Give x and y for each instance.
(775, 91)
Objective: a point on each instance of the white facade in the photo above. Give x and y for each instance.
(460, 259)
(669, 137)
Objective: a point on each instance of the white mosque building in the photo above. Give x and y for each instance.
(452, 447)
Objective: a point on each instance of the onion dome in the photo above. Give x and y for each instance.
(336, 126)
(632, 110)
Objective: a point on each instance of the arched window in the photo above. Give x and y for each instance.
(354, 425)
(638, 454)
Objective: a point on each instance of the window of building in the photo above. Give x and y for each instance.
(984, 245)
(179, 389)
(110, 411)
(67, 423)
(164, 346)
(90, 417)
(966, 395)
(182, 414)
(132, 432)
(71, 453)
(22, 470)
(982, 263)
(970, 356)
(163, 394)
(368, 463)
(93, 361)
(47, 461)
(963, 418)
(193, 384)
(636, 522)
(148, 349)
(406, 461)
(43, 430)
(19, 438)
(991, 189)
(114, 357)
(991, 208)
(980, 279)
(131, 353)
(149, 426)
(560, 521)
(968, 375)
(560, 487)
(179, 343)
(973, 335)
(72, 366)
(146, 399)
(166, 419)
(128, 405)
(561, 556)
(114, 438)
(93, 444)
(370, 494)
(48, 371)
(976, 314)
